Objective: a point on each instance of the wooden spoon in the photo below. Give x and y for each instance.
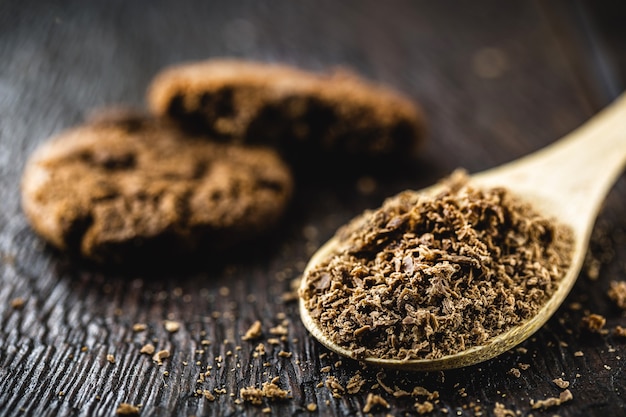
(568, 181)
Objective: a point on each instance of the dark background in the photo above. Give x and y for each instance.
(497, 80)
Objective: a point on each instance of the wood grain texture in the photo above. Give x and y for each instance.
(61, 59)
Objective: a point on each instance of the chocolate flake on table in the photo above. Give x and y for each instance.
(355, 383)
(254, 332)
(148, 349)
(619, 331)
(374, 401)
(139, 327)
(501, 411)
(125, 409)
(171, 326)
(337, 390)
(18, 303)
(561, 383)
(595, 323)
(552, 401)
(424, 407)
(269, 390)
(617, 293)
(160, 355)
(424, 277)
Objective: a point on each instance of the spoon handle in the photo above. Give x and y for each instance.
(571, 177)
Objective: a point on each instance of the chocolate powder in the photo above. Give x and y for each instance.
(424, 277)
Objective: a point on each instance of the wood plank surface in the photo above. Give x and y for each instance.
(497, 80)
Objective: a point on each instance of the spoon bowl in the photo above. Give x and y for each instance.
(567, 181)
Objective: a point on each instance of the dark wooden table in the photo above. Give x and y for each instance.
(497, 80)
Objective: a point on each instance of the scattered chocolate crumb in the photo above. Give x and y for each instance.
(380, 376)
(254, 332)
(326, 369)
(148, 349)
(552, 401)
(208, 395)
(18, 303)
(139, 327)
(374, 400)
(523, 366)
(515, 372)
(575, 306)
(398, 393)
(125, 409)
(579, 353)
(259, 350)
(160, 355)
(424, 408)
(561, 383)
(392, 287)
(110, 358)
(268, 390)
(289, 296)
(617, 293)
(594, 323)
(336, 389)
(273, 341)
(619, 331)
(592, 267)
(355, 383)
(279, 330)
(501, 411)
(284, 354)
(311, 407)
(171, 326)
(423, 392)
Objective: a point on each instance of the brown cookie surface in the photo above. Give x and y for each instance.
(115, 189)
(295, 110)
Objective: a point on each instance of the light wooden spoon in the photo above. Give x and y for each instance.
(568, 181)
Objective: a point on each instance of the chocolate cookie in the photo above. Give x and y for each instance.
(296, 111)
(120, 189)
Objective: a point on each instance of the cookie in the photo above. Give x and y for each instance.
(299, 112)
(122, 188)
